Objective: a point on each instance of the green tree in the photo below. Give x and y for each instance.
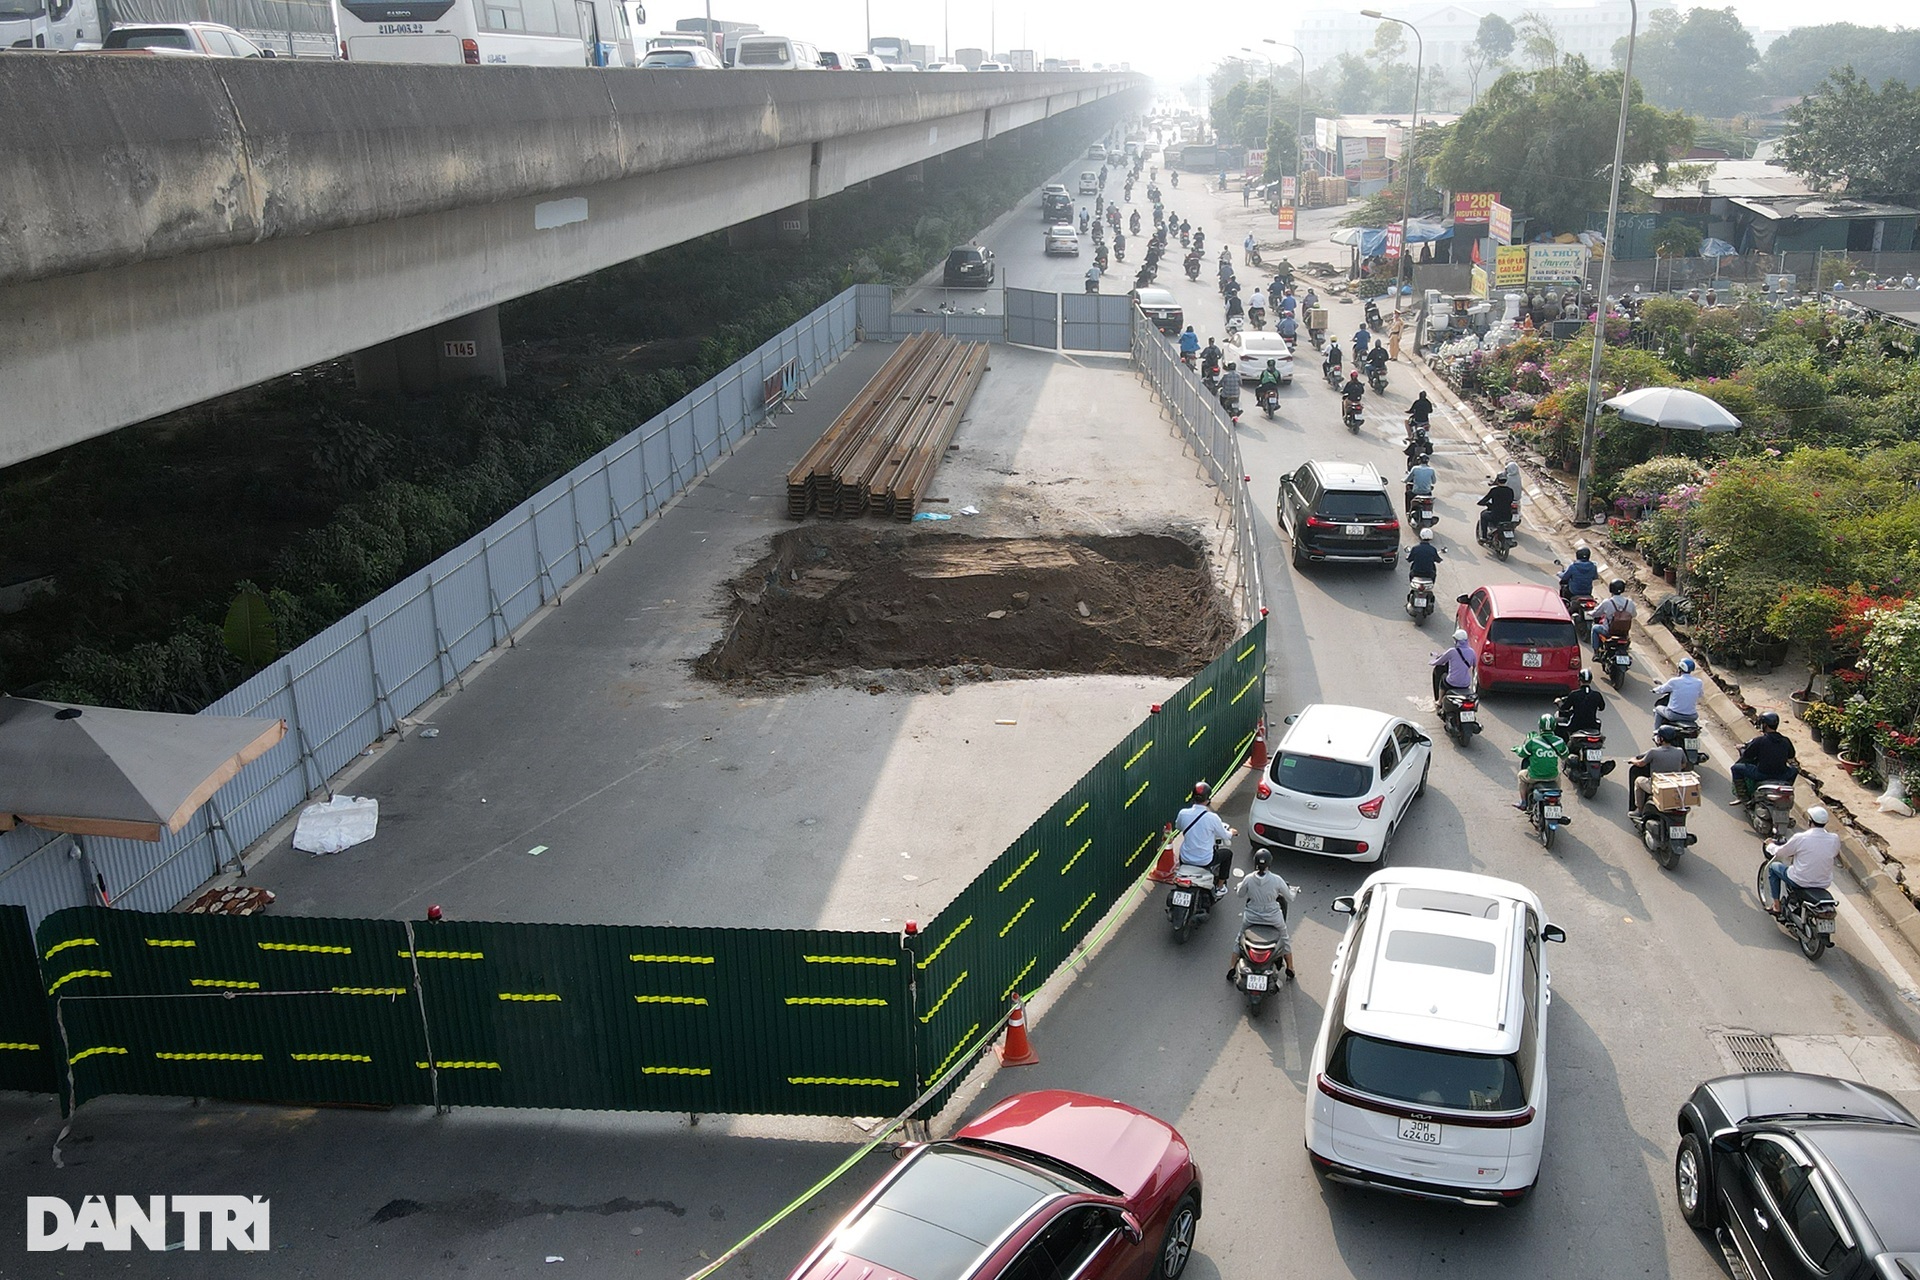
(1846, 134)
(1796, 63)
(1544, 140)
(1349, 83)
(1676, 240)
(1702, 63)
(1492, 44)
(1539, 43)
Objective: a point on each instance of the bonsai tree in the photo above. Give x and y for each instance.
(1806, 617)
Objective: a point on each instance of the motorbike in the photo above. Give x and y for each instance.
(1615, 658)
(1586, 760)
(1664, 833)
(1420, 600)
(1373, 314)
(1120, 248)
(1544, 812)
(1459, 716)
(1500, 538)
(1143, 277)
(1256, 962)
(1185, 239)
(1689, 733)
(1083, 222)
(1254, 259)
(1333, 374)
(1580, 608)
(1419, 447)
(1377, 378)
(1100, 257)
(1231, 404)
(1093, 284)
(1352, 414)
(1269, 398)
(1420, 510)
(1192, 264)
(1257, 317)
(1173, 176)
(1769, 811)
(1807, 914)
(1200, 241)
(1191, 898)
(1189, 358)
(1133, 223)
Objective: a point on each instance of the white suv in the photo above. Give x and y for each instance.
(1430, 1073)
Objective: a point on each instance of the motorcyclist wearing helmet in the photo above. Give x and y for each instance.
(1499, 501)
(1354, 391)
(1577, 578)
(1230, 387)
(1420, 412)
(1423, 558)
(1205, 841)
(1454, 668)
(1665, 756)
(1581, 708)
(1269, 380)
(1768, 757)
(1613, 616)
(1420, 481)
(1267, 895)
(1333, 360)
(1805, 858)
(1210, 358)
(1540, 755)
(1682, 693)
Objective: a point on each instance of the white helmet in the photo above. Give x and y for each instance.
(1817, 816)
(1426, 535)
(1460, 635)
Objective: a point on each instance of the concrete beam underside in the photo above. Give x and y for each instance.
(174, 332)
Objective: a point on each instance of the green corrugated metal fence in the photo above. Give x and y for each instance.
(766, 1021)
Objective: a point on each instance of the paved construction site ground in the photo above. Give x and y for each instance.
(744, 720)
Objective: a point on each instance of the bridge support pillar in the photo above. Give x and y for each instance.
(790, 225)
(464, 349)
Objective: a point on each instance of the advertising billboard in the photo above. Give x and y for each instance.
(1548, 263)
(1474, 206)
(1509, 266)
(1500, 223)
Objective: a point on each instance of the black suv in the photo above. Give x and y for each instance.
(1339, 511)
(969, 267)
(1055, 204)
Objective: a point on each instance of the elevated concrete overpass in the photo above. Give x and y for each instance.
(172, 229)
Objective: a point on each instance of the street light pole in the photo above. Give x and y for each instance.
(1406, 178)
(1589, 427)
(1299, 130)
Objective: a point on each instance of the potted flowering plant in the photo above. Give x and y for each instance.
(1827, 722)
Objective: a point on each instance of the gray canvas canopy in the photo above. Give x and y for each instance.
(99, 771)
(1674, 408)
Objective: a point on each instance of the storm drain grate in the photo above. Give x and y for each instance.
(1754, 1052)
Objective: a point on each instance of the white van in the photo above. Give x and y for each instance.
(775, 53)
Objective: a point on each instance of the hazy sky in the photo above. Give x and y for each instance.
(1171, 39)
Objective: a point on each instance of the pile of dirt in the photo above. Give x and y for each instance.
(841, 600)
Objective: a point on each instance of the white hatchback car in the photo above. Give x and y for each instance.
(1251, 351)
(1340, 782)
(1430, 1074)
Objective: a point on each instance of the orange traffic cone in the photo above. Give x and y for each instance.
(1015, 1051)
(1162, 872)
(1258, 758)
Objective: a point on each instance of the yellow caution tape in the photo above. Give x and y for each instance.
(235, 983)
(928, 1015)
(954, 1052)
(1134, 759)
(1076, 855)
(1014, 985)
(88, 1053)
(368, 991)
(1198, 734)
(676, 1071)
(957, 930)
(1151, 837)
(330, 1057)
(836, 1000)
(671, 999)
(77, 973)
(1016, 918)
(211, 1057)
(1204, 695)
(1076, 915)
(1243, 688)
(315, 947)
(530, 996)
(886, 960)
(1242, 655)
(671, 959)
(1241, 749)
(444, 955)
(171, 942)
(1084, 806)
(885, 1084)
(460, 1066)
(58, 947)
(19, 1045)
(1017, 870)
(1137, 794)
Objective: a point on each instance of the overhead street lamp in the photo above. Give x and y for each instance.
(1407, 166)
(1589, 428)
(1299, 129)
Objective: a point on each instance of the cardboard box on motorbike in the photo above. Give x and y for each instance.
(1676, 791)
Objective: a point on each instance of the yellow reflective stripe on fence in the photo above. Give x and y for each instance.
(1144, 844)
(78, 973)
(1134, 759)
(957, 931)
(368, 991)
(885, 1084)
(1243, 688)
(836, 1000)
(1016, 918)
(671, 959)
(331, 1057)
(1198, 734)
(1204, 695)
(1011, 986)
(1084, 806)
(88, 1053)
(1140, 791)
(58, 947)
(1245, 742)
(530, 996)
(1242, 655)
(234, 983)
(443, 955)
(171, 942)
(1017, 870)
(849, 960)
(20, 1046)
(671, 999)
(928, 1015)
(953, 1052)
(211, 1057)
(1087, 902)
(676, 1071)
(460, 1066)
(318, 948)
(1076, 855)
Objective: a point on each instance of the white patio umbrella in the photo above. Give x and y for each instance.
(1675, 409)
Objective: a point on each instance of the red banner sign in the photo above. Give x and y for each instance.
(1394, 238)
(1474, 206)
(1286, 217)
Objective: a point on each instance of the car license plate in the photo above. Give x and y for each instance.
(1595, 753)
(1312, 844)
(1553, 812)
(1181, 898)
(1530, 659)
(1356, 531)
(1469, 717)
(1256, 982)
(1421, 1131)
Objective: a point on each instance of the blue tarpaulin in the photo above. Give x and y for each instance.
(1372, 241)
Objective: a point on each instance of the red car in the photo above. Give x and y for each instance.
(1522, 637)
(1047, 1184)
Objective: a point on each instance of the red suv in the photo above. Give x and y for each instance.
(1522, 637)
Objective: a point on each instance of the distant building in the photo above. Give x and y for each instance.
(1765, 208)
(1589, 30)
